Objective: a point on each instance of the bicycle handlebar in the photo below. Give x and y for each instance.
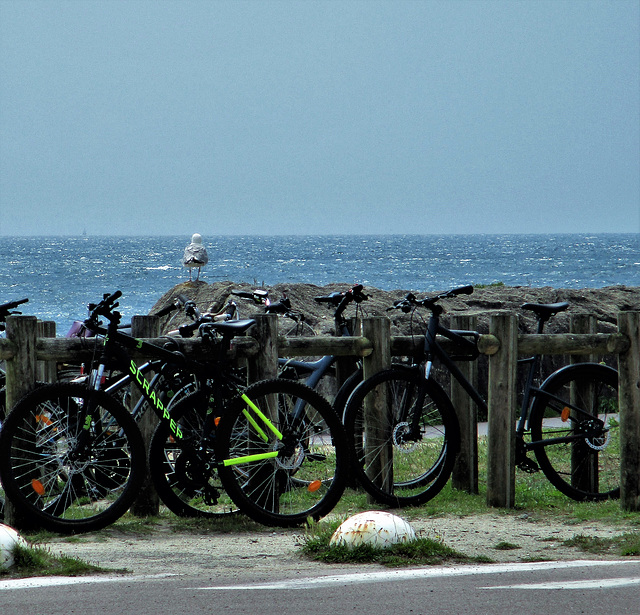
(258, 295)
(5, 308)
(342, 300)
(106, 308)
(410, 300)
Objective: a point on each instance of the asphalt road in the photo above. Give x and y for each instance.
(601, 587)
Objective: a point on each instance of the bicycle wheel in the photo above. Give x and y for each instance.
(344, 392)
(574, 421)
(303, 474)
(68, 472)
(184, 471)
(403, 436)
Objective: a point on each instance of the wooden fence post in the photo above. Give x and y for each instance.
(265, 364)
(501, 478)
(21, 378)
(147, 503)
(465, 470)
(46, 371)
(378, 330)
(629, 408)
(588, 477)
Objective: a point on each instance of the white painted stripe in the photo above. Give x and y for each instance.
(590, 584)
(414, 573)
(35, 582)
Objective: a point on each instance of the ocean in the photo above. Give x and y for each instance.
(61, 275)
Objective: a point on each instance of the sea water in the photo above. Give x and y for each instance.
(61, 275)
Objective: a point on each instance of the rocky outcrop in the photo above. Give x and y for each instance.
(604, 303)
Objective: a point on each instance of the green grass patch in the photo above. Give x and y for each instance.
(31, 561)
(506, 546)
(422, 551)
(627, 544)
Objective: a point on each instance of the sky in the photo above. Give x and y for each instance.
(162, 117)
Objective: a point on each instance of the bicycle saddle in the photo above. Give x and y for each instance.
(546, 310)
(231, 327)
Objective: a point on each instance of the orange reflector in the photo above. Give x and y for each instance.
(314, 485)
(41, 418)
(216, 421)
(37, 486)
(564, 415)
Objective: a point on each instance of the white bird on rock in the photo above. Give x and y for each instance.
(195, 255)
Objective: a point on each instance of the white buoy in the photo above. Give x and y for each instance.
(9, 538)
(376, 528)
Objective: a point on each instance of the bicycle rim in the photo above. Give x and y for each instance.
(184, 471)
(403, 436)
(575, 421)
(48, 475)
(305, 475)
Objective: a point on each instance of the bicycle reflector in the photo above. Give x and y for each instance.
(314, 485)
(564, 415)
(38, 487)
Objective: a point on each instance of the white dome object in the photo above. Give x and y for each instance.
(376, 528)
(8, 539)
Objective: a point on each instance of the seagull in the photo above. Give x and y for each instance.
(195, 255)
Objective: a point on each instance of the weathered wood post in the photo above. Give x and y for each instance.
(465, 470)
(501, 478)
(265, 363)
(378, 331)
(147, 503)
(46, 371)
(587, 478)
(21, 378)
(629, 408)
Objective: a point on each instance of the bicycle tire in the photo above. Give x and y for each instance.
(586, 468)
(344, 392)
(62, 488)
(382, 446)
(307, 477)
(184, 471)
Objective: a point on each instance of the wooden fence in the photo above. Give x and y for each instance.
(30, 349)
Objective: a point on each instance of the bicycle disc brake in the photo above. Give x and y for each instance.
(401, 440)
(600, 440)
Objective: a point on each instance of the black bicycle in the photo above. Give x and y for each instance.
(313, 373)
(404, 434)
(71, 455)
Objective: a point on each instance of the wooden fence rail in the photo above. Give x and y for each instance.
(24, 347)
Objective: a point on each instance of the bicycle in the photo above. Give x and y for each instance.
(404, 453)
(72, 457)
(312, 372)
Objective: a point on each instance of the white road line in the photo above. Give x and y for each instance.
(35, 582)
(588, 584)
(414, 573)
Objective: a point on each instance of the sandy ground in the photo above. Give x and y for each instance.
(258, 552)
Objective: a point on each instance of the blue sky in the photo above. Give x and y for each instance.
(319, 117)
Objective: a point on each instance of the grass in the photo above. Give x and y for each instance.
(30, 561)
(627, 544)
(422, 551)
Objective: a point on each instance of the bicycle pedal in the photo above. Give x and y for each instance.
(528, 465)
(315, 457)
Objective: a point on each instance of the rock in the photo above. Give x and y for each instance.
(604, 303)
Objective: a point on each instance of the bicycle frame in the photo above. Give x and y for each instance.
(115, 348)
(433, 349)
(315, 370)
